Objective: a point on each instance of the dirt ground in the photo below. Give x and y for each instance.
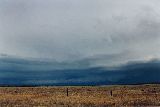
(80, 96)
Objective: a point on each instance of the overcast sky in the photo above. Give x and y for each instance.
(107, 31)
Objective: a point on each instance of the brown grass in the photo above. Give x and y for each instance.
(142, 95)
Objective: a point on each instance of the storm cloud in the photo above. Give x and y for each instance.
(101, 32)
(79, 42)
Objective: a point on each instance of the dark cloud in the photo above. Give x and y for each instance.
(22, 72)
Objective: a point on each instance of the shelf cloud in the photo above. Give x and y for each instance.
(79, 42)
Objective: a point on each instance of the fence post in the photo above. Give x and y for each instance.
(111, 93)
(67, 92)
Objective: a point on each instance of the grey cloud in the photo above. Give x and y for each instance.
(72, 30)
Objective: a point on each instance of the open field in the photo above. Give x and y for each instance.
(135, 95)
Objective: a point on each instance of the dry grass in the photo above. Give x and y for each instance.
(143, 95)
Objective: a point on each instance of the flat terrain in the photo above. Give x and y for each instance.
(134, 95)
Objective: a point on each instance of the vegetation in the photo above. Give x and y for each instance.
(102, 96)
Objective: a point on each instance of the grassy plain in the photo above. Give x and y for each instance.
(80, 96)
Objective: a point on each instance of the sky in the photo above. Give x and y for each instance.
(91, 33)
